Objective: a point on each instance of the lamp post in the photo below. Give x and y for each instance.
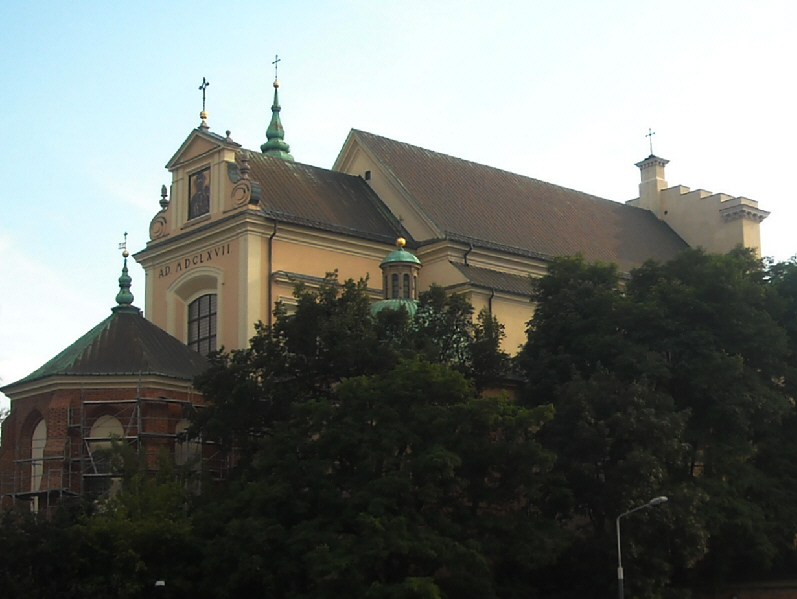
(653, 502)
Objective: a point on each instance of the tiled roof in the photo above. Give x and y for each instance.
(487, 206)
(308, 195)
(125, 343)
(493, 279)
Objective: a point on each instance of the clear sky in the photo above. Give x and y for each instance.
(95, 97)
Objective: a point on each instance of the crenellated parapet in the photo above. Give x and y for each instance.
(717, 222)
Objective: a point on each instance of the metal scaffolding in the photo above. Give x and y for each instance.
(81, 464)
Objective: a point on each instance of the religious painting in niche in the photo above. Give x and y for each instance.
(199, 194)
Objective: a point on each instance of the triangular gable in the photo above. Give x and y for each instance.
(199, 143)
(356, 158)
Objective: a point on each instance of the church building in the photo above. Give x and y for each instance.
(238, 228)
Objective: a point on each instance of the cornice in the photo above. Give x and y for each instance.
(743, 212)
(57, 383)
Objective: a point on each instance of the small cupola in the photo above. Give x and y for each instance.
(399, 279)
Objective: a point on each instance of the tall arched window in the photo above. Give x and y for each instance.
(186, 451)
(202, 324)
(394, 286)
(406, 284)
(37, 443)
(104, 429)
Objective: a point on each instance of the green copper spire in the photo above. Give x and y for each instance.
(124, 298)
(275, 146)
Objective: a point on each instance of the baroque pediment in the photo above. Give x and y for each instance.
(198, 144)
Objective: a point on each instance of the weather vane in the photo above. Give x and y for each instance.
(123, 246)
(203, 87)
(650, 135)
(276, 60)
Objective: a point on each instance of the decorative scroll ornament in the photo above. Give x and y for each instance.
(246, 190)
(158, 226)
(241, 193)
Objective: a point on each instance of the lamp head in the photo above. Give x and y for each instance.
(658, 500)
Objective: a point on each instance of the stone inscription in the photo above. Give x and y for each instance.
(202, 257)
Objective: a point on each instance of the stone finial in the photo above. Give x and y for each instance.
(245, 168)
(164, 201)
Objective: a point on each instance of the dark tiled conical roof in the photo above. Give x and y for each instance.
(125, 343)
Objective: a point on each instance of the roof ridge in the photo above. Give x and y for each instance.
(486, 166)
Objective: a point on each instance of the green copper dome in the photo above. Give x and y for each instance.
(124, 298)
(410, 305)
(276, 146)
(400, 255)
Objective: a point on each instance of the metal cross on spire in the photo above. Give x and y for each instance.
(650, 135)
(274, 62)
(203, 87)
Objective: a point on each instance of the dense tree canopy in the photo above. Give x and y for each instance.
(377, 456)
(673, 381)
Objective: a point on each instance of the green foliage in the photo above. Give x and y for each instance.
(331, 336)
(673, 382)
(374, 465)
(114, 547)
(374, 468)
(401, 484)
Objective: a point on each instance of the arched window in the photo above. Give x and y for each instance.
(37, 443)
(202, 324)
(394, 286)
(104, 429)
(186, 451)
(406, 290)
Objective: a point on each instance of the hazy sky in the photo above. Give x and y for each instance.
(95, 97)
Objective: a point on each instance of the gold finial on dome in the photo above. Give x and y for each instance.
(276, 62)
(123, 247)
(401, 242)
(203, 115)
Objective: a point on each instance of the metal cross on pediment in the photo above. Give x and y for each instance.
(274, 62)
(203, 87)
(650, 135)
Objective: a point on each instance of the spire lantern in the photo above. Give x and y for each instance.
(124, 298)
(276, 146)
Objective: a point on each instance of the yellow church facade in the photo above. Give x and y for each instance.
(238, 228)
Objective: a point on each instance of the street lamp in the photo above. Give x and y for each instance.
(653, 502)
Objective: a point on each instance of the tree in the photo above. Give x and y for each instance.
(330, 336)
(373, 467)
(669, 382)
(114, 547)
(401, 484)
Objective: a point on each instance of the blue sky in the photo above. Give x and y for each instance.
(97, 96)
